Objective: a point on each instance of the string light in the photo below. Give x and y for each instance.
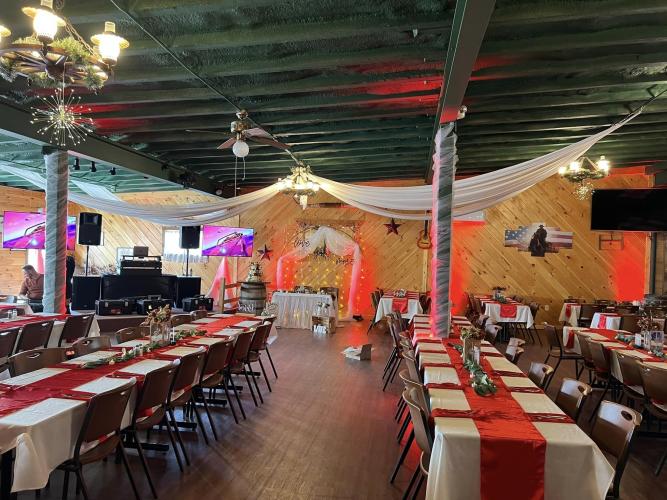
(60, 117)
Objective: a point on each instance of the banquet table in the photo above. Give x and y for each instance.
(39, 405)
(607, 338)
(408, 306)
(481, 442)
(606, 320)
(569, 313)
(296, 309)
(23, 307)
(511, 312)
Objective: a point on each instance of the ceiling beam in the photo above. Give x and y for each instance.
(16, 122)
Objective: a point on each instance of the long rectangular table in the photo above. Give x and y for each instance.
(296, 309)
(511, 312)
(41, 412)
(516, 441)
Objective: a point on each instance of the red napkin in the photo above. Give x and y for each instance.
(568, 310)
(399, 304)
(508, 310)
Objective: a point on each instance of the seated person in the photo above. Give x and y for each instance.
(32, 288)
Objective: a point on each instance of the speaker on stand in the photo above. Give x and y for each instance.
(90, 231)
(189, 239)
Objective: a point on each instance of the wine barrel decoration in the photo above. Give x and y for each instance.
(253, 297)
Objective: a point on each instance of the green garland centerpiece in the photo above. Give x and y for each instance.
(481, 382)
(125, 355)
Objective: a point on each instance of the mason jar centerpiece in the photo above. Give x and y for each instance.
(159, 323)
(645, 325)
(472, 337)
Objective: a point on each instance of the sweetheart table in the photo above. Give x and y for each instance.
(296, 309)
(481, 442)
(408, 306)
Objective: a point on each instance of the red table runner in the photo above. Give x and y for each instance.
(508, 310)
(399, 304)
(508, 439)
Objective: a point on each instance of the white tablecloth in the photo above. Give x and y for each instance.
(384, 308)
(523, 314)
(613, 321)
(573, 318)
(296, 309)
(574, 465)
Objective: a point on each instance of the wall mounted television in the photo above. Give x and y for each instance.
(629, 210)
(27, 231)
(226, 241)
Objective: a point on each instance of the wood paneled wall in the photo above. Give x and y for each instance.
(480, 261)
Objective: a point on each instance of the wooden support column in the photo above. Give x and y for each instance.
(57, 179)
(444, 169)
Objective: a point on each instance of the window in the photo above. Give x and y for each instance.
(172, 251)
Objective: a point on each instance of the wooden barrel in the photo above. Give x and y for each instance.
(253, 297)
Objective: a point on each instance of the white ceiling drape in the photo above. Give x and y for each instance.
(408, 203)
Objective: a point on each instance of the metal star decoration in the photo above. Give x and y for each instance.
(392, 227)
(61, 116)
(265, 253)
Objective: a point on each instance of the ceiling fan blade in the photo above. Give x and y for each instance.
(257, 132)
(228, 143)
(269, 142)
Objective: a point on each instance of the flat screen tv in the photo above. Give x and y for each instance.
(629, 210)
(227, 241)
(27, 231)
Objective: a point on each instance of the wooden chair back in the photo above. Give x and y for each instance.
(76, 327)
(34, 335)
(91, 344)
(8, 341)
(29, 361)
(571, 397)
(180, 319)
(540, 374)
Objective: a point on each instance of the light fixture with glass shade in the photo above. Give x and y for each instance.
(240, 148)
(299, 184)
(45, 22)
(109, 44)
(582, 172)
(4, 32)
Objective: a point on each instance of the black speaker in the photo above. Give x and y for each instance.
(85, 291)
(187, 286)
(190, 236)
(90, 228)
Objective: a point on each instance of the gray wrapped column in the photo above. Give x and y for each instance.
(57, 178)
(444, 166)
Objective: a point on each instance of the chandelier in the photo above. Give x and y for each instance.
(47, 61)
(582, 172)
(299, 184)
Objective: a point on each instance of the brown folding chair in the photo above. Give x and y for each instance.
(29, 361)
(76, 327)
(585, 349)
(259, 343)
(631, 384)
(540, 374)
(556, 350)
(131, 333)
(629, 323)
(34, 335)
(91, 344)
(100, 436)
(213, 376)
(612, 432)
(7, 343)
(199, 314)
(602, 369)
(150, 410)
(238, 365)
(571, 397)
(181, 394)
(654, 383)
(513, 353)
(424, 439)
(180, 319)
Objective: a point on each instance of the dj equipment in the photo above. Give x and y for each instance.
(187, 286)
(115, 286)
(114, 307)
(144, 306)
(90, 228)
(141, 266)
(139, 251)
(85, 291)
(197, 303)
(190, 237)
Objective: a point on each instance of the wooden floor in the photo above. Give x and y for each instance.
(326, 432)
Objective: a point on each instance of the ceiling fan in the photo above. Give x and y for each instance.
(243, 131)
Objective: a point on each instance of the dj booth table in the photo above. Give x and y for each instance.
(115, 286)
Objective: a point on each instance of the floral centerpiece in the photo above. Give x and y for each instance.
(472, 337)
(498, 291)
(159, 321)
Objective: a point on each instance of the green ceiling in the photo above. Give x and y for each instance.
(353, 85)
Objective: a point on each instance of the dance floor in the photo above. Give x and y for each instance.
(325, 432)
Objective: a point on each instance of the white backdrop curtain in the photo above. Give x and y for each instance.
(408, 203)
(340, 244)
